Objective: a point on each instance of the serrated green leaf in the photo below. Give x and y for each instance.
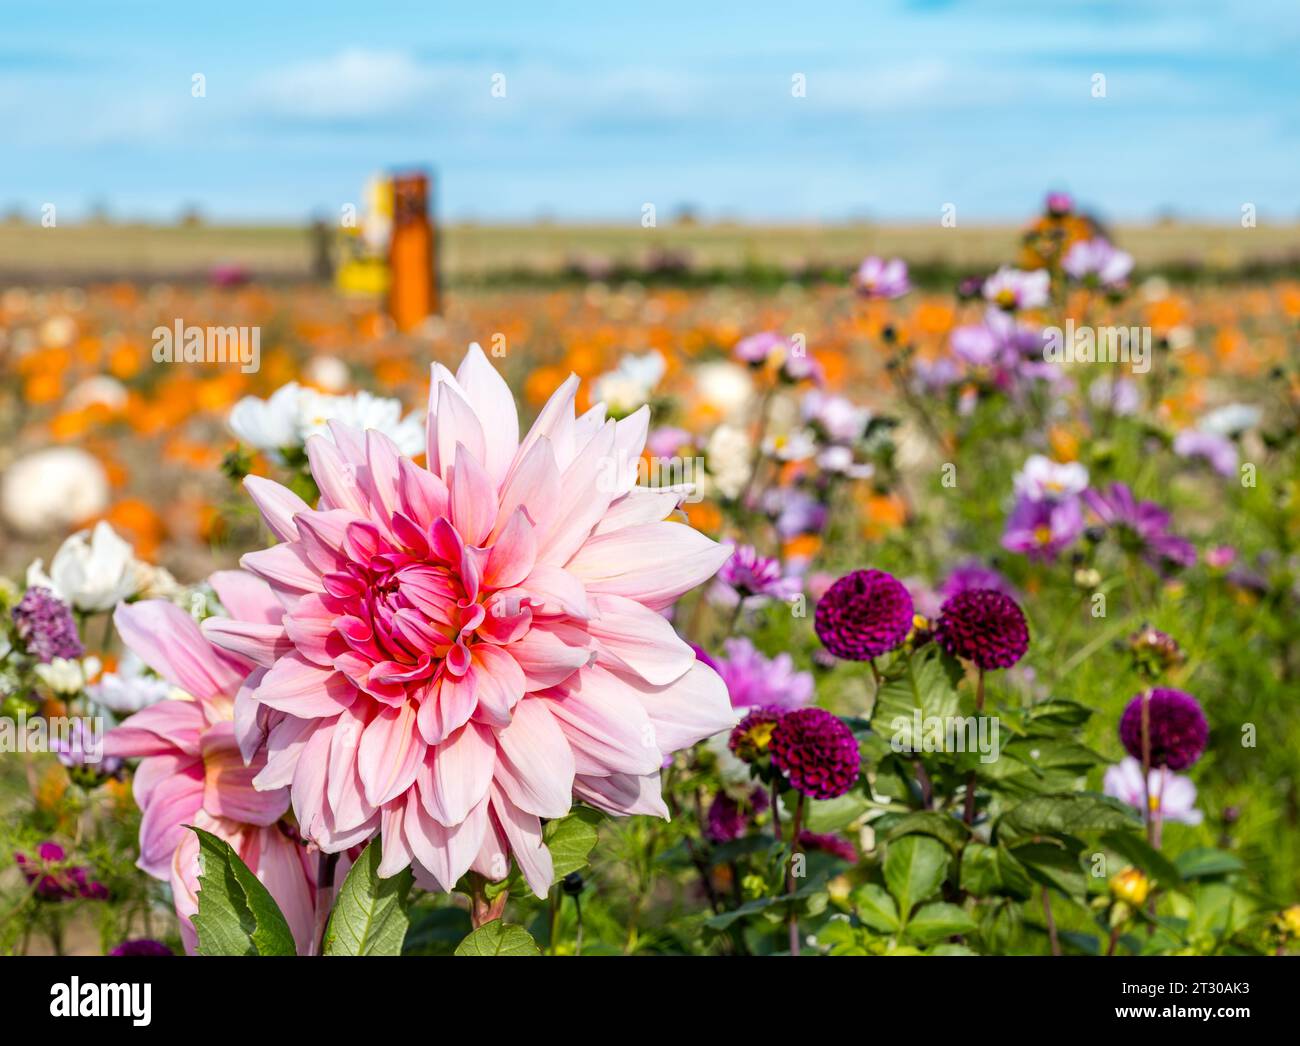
(944, 827)
(498, 938)
(832, 815)
(1066, 814)
(1053, 866)
(927, 684)
(914, 867)
(369, 916)
(933, 921)
(237, 914)
(571, 840)
(988, 870)
(876, 908)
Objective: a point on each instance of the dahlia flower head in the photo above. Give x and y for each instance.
(866, 613)
(984, 626)
(1177, 731)
(460, 649)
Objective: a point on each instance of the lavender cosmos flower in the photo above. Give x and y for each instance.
(81, 751)
(976, 345)
(835, 845)
(1218, 451)
(983, 626)
(753, 578)
(1141, 526)
(1176, 728)
(754, 680)
(667, 441)
(1097, 262)
(45, 626)
(794, 512)
(1012, 289)
(877, 278)
(142, 946)
(816, 752)
(863, 615)
(1168, 796)
(758, 348)
(1119, 395)
(1042, 529)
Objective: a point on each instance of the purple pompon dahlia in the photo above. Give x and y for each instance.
(864, 614)
(1177, 727)
(45, 626)
(983, 626)
(142, 946)
(817, 753)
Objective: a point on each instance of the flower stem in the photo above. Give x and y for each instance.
(789, 875)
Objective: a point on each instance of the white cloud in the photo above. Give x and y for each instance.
(353, 83)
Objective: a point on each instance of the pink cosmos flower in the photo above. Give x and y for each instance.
(468, 646)
(191, 770)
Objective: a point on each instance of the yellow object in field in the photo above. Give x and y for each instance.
(363, 277)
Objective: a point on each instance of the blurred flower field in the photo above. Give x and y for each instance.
(919, 520)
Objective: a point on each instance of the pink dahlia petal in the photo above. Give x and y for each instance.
(457, 773)
(513, 554)
(335, 476)
(489, 396)
(168, 640)
(457, 424)
(382, 477)
(154, 770)
(639, 505)
(390, 754)
(623, 795)
(278, 505)
(653, 563)
(247, 598)
(345, 791)
(253, 641)
(279, 866)
(228, 789)
(688, 709)
(534, 486)
(284, 744)
(308, 691)
(609, 731)
(550, 653)
(535, 765)
(172, 805)
(555, 423)
(639, 639)
(392, 832)
(523, 832)
(589, 488)
(444, 853)
(473, 498)
(552, 591)
(287, 568)
(165, 728)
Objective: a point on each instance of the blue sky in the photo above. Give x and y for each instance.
(909, 105)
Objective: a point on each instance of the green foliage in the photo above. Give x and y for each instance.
(369, 915)
(237, 915)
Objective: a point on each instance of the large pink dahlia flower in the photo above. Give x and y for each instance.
(468, 646)
(191, 770)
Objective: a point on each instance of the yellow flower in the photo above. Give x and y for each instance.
(1131, 887)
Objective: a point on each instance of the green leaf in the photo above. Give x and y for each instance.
(832, 815)
(571, 840)
(369, 916)
(498, 938)
(1205, 862)
(987, 870)
(1137, 851)
(928, 684)
(237, 914)
(944, 827)
(934, 921)
(914, 867)
(1053, 866)
(1067, 814)
(876, 908)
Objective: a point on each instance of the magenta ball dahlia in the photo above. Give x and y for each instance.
(864, 614)
(983, 626)
(817, 753)
(1176, 725)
